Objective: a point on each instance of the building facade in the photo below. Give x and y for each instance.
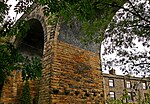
(115, 86)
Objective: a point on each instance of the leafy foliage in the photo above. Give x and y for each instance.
(26, 96)
(147, 99)
(32, 68)
(125, 96)
(130, 26)
(95, 15)
(121, 100)
(10, 58)
(3, 10)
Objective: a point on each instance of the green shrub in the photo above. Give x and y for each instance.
(26, 97)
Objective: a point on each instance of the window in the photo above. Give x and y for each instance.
(111, 83)
(112, 95)
(144, 85)
(134, 85)
(146, 95)
(128, 84)
(130, 98)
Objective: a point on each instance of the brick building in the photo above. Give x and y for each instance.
(71, 72)
(115, 85)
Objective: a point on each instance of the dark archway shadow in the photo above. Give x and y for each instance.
(33, 43)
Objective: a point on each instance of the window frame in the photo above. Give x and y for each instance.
(144, 87)
(112, 96)
(145, 96)
(128, 84)
(111, 83)
(130, 97)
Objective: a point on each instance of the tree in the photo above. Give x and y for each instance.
(26, 96)
(10, 58)
(130, 26)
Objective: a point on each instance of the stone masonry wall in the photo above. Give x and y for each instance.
(70, 75)
(44, 92)
(118, 87)
(13, 86)
(75, 76)
(120, 84)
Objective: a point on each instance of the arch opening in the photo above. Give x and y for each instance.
(33, 43)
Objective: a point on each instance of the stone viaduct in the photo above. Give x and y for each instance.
(71, 72)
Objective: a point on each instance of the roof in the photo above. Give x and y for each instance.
(124, 77)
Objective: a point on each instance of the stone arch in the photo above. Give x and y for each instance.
(33, 43)
(40, 18)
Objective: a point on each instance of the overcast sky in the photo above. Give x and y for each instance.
(11, 12)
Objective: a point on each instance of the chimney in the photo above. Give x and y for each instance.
(112, 71)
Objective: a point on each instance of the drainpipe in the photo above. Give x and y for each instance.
(100, 65)
(103, 86)
(125, 86)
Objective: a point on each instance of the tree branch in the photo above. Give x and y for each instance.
(146, 26)
(137, 11)
(141, 64)
(121, 7)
